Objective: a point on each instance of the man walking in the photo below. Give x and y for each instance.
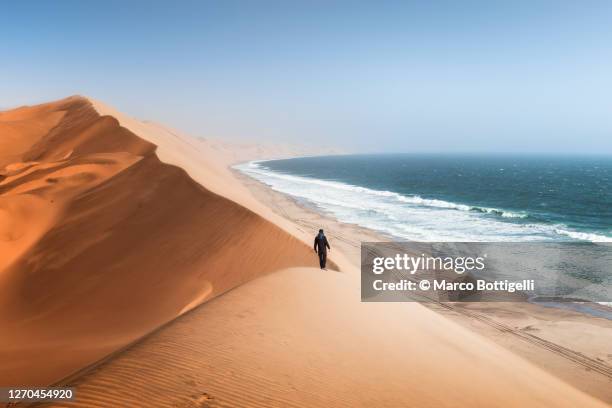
(321, 246)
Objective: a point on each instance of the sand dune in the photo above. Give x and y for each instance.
(101, 242)
(112, 227)
(23, 127)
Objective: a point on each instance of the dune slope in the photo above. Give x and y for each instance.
(301, 338)
(101, 242)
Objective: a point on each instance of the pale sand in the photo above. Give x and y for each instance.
(299, 337)
(572, 346)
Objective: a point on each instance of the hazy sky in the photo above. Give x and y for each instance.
(377, 76)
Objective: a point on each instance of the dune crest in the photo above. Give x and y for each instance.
(101, 242)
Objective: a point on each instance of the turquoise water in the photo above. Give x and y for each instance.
(455, 197)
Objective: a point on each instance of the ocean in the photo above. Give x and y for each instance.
(463, 198)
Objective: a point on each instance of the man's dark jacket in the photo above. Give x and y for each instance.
(321, 244)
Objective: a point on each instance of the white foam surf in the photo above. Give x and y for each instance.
(412, 217)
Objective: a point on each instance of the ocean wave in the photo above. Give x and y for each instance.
(418, 200)
(413, 199)
(500, 213)
(413, 217)
(582, 236)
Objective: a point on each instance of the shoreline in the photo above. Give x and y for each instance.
(524, 223)
(566, 343)
(587, 307)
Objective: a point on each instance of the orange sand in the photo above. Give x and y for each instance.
(111, 227)
(100, 242)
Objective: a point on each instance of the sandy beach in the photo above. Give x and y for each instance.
(139, 268)
(570, 345)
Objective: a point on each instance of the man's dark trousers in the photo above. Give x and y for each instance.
(322, 258)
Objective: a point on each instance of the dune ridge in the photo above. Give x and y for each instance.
(297, 337)
(208, 162)
(101, 242)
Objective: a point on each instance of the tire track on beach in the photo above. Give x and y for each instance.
(578, 358)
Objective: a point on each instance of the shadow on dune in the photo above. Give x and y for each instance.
(104, 242)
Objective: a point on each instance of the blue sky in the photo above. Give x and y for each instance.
(450, 76)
